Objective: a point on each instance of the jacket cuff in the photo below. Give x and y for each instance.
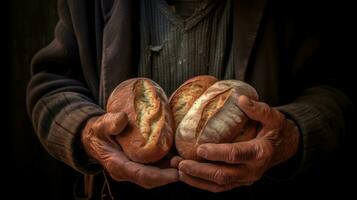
(309, 121)
(64, 141)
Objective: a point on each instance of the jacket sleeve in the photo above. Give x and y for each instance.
(321, 103)
(322, 114)
(58, 100)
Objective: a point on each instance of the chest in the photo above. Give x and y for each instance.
(176, 47)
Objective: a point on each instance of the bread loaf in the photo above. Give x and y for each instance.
(210, 114)
(149, 134)
(183, 98)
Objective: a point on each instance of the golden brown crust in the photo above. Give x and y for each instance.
(214, 117)
(149, 135)
(184, 97)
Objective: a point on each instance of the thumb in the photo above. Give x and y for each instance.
(258, 111)
(112, 123)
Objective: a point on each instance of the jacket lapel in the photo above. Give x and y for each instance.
(117, 48)
(246, 21)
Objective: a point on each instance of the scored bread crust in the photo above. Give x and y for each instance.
(214, 117)
(148, 136)
(183, 97)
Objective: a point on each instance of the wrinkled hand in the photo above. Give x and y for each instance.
(242, 163)
(97, 139)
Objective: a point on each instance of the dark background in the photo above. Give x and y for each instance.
(36, 175)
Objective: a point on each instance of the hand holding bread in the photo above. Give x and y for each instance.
(202, 110)
(148, 136)
(230, 165)
(206, 111)
(215, 134)
(98, 141)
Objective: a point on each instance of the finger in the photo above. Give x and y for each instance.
(111, 123)
(114, 163)
(115, 122)
(205, 185)
(235, 153)
(259, 111)
(121, 168)
(175, 161)
(149, 176)
(219, 174)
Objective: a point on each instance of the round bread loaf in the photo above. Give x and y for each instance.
(211, 114)
(183, 98)
(148, 136)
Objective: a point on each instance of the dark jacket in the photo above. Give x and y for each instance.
(277, 50)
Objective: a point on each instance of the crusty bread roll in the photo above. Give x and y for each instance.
(212, 115)
(183, 98)
(149, 134)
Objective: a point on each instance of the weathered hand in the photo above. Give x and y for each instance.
(243, 163)
(97, 138)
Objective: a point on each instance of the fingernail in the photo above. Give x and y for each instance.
(245, 101)
(202, 152)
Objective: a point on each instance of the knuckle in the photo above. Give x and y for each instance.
(122, 117)
(110, 121)
(107, 117)
(139, 174)
(233, 155)
(96, 126)
(258, 148)
(87, 135)
(263, 155)
(139, 177)
(245, 153)
(220, 177)
(118, 121)
(188, 168)
(108, 166)
(263, 151)
(112, 126)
